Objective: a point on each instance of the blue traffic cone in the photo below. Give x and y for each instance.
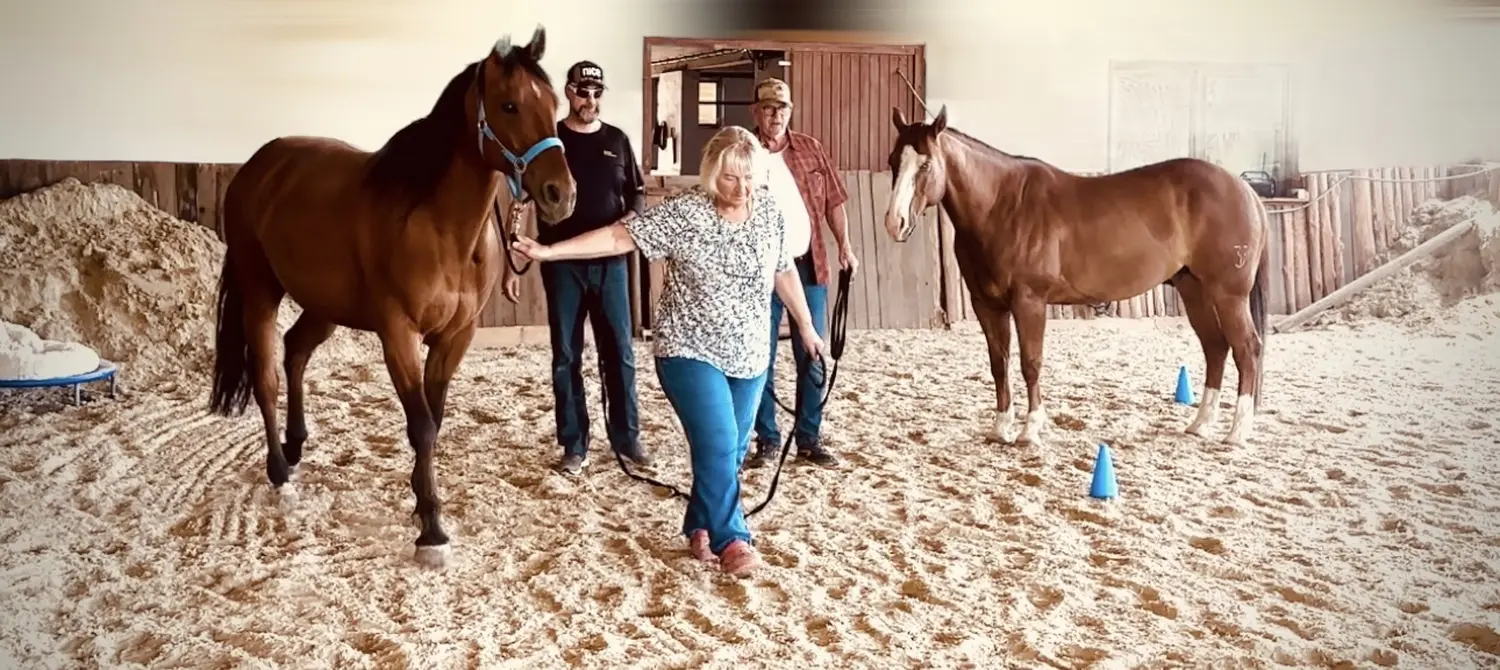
(1104, 486)
(1184, 387)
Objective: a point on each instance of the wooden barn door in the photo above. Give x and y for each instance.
(843, 97)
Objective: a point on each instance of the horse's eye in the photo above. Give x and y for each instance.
(510, 108)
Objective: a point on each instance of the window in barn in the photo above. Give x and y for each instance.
(1234, 115)
(709, 102)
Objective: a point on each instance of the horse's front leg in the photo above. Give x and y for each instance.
(994, 320)
(1030, 313)
(404, 364)
(444, 353)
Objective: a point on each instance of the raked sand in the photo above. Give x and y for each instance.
(1358, 528)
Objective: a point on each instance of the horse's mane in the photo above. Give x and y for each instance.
(976, 143)
(411, 165)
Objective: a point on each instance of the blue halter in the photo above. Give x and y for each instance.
(517, 163)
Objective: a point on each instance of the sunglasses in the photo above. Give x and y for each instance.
(587, 93)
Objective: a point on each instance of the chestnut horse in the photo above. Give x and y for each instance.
(1027, 234)
(397, 242)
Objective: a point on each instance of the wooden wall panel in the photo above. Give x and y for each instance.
(1315, 247)
(844, 99)
(190, 191)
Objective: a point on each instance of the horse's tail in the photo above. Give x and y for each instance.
(1260, 289)
(231, 388)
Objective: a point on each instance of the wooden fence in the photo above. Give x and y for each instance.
(190, 191)
(1318, 244)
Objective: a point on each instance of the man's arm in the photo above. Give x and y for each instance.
(635, 180)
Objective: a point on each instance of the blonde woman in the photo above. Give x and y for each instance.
(723, 241)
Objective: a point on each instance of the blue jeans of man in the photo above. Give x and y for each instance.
(598, 290)
(715, 410)
(809, 390)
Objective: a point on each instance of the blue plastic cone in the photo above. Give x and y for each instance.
(1184, 387)
(1104, 486)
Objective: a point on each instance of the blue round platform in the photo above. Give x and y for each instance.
(105, 371)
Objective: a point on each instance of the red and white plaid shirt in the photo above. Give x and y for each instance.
(822, 190)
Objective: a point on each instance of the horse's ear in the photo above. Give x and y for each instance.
(502, 47)
(898, 118)
(941, 121)
(538, 44)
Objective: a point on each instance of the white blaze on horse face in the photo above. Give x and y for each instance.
(898, 214)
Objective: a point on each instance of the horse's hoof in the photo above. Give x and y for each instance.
(286, 494)
(1001, 430)
(433, 556)
(1031, 434)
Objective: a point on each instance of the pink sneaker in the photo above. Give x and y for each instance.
(739, 559)
(698, 544)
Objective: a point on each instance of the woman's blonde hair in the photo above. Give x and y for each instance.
(733, 147)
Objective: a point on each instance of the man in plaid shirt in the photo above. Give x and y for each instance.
(811, 194)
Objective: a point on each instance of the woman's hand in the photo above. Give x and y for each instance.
(532, 250)
(812, 343)
(511, 288)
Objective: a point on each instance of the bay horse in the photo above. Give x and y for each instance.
(1027, 234)
(395, 242)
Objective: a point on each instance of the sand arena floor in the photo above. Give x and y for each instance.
(1358, 529)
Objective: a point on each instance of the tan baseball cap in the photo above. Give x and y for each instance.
(774, 90)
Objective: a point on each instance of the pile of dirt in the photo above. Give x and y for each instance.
(1464, 275)
(97, 265)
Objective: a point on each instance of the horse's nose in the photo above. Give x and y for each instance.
(894, 223)
(557, 198)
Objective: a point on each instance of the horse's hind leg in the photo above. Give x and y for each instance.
(1205, 322)
(261, 304)
(298, 345)
(1234, 318)
(403, 362)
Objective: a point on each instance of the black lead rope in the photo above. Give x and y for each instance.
(837, 323)
(837, 335)
(510, 236)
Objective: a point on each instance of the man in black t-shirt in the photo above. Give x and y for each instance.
(610, 184)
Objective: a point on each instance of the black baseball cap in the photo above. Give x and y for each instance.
(586, 73)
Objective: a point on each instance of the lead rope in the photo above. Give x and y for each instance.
(837, 324)
(511, 236)
(837, 334)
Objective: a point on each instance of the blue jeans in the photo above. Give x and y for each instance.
(715, 411)
(807, 424)
(598, 290)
